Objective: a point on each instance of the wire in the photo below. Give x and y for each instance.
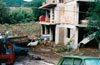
(62, 10)
(87, 12)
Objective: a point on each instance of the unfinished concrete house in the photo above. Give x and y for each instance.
(65, 21)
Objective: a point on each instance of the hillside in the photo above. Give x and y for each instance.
(17, 3)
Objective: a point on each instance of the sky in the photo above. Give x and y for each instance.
(28, 0)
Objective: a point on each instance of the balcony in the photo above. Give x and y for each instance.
(48, 4)
(46, 21)
(83, 23)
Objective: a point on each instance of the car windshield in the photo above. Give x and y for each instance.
(92, 61)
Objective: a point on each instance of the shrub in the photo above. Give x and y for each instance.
(20, 16)
(35, 9)
(4, 13)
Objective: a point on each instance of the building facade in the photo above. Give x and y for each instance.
(65, 20)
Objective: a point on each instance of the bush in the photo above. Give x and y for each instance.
(4, 13)
(35, 9)
(20, 16)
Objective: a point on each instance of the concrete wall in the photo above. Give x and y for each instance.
(58, 1)
(52, 1)
(85, 0)
(64, 1)
(56, 17)
(68, 13)
(49, 1)
(59, 35)
(61, 14)
(67, 1)
(73, 37)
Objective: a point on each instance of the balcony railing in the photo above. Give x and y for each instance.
(42, 18)
(47, 20)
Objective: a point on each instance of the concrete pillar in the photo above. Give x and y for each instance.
(77, 22)
(50, 15)
(77, 13)
(46, 16)
(76, 39)
(56, 13)
(41, 29)
(57, 35)
(51, 33)
(45, 29)
(61, 35)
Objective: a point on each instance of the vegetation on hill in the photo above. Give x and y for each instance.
(4, 13)
(17, 3)
(20, 16)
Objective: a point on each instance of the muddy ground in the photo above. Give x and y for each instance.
(53, 56)
(47, 53)
(30, 60)
(42, 55)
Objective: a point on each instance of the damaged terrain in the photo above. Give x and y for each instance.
(42, 54)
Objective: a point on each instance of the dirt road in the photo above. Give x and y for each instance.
(29, 60)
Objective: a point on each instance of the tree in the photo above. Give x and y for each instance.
(20, 16)
(4, 13)
(15, 3)
(94, 20)
(35, 8)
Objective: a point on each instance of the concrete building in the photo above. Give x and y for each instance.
(67, 20)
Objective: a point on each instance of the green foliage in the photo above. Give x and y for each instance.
(4, 13)
(70, 41)
(35, 8)
(20, 16)
(62, 50)
(66, 48)
(17, 3)
(94, 19)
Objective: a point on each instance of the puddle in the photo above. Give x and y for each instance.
(30, 60)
